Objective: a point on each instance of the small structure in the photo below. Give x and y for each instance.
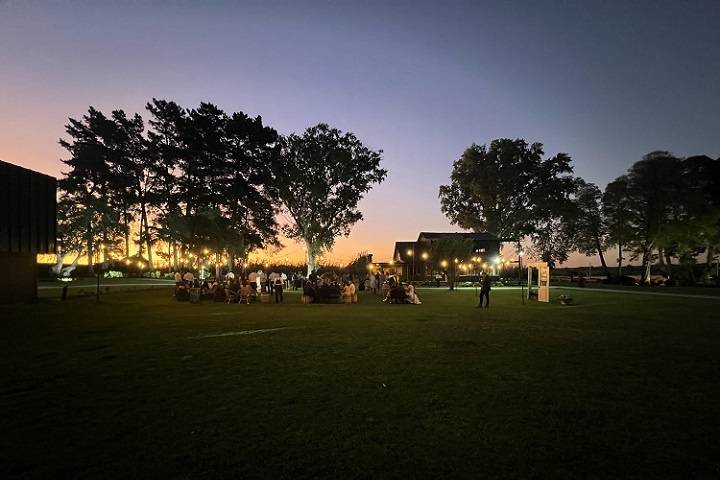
(27, 227)
(542, 291)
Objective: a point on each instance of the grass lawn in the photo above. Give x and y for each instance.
(139, 386)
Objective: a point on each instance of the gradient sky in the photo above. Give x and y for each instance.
(605, 82)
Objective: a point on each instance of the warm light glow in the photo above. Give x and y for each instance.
(456, 260)
(370, 266)
(392, 262)
(141, 264)
(128, 262)
(444, 263)
(424, 256)
(497, 260)
(206, 251)
(484, 266)
(409, 252)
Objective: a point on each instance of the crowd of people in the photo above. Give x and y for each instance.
(326, 287)
(231, 289)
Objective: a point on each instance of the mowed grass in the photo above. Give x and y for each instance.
(618, 386)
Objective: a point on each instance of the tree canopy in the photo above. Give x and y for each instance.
(319, 178)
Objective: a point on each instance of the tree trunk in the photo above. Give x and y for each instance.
(646, 267)
(602, 257)
(126, 215)
(91, 271)
(708, 264)
(143, 213)
(312, 253)
(217, 265)
(175, 255)
(620, 261)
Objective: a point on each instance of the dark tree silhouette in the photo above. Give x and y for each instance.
(319, 178)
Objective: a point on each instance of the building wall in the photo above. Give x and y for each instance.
(18, 277)
(27, 227)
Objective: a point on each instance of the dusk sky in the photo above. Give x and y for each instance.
(605, 82)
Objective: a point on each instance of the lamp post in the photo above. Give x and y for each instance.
(411, 253)
(424, 256)
(520, 275)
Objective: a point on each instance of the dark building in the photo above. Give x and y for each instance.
(416, 257)
(27, 227)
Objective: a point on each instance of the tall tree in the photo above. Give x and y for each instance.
(493, 188)
(251, 148)
(87, 184)
(164, 151)
(132, 172)
(590, 228)
(508, 189)
(320, 176)
(654, 188)
(616, 216)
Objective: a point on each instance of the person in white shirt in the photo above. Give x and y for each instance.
(348, 292)
(411, 294)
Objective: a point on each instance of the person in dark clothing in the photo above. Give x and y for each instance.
(278, 287)
(309, 291)
(313, 277)
(485, 291)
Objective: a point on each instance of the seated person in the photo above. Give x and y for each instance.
(233, 292)
(329, 293)
(309, 291)
(182, 293)
(412, 294)
(245, 292)
(205, 289)
(348, 292)
(219, 294)
(396, 294)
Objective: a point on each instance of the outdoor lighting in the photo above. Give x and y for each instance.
(424, 256)
(456, 260)
(370, 266)
(444, 263)
(521, 253)
(409, 252)
(392, 262)
(128, 262)
(484, 266)
(496, 260)
(206, 251)
(141, 264)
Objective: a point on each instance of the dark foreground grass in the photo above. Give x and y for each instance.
(136, 387)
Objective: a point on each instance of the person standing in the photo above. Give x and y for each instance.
(485, 291)
(278, 287)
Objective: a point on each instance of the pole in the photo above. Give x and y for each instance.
(413, 275)
(522, 290)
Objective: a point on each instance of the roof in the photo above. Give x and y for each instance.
(400, 252)
(474, 235)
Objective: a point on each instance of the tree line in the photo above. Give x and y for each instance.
(196, 180)
(664, 209)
